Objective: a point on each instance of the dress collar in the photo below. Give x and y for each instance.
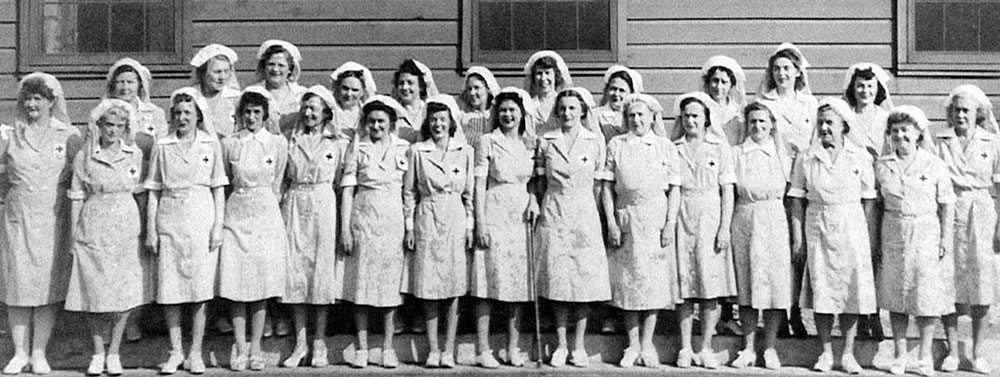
(768, 148)
(710, 137)
(428, 145)
(262, 135)
(558, 134)
(977, 133)
(200, 137)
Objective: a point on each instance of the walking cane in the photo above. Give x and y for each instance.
(529, 228)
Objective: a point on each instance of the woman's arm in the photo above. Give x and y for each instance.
(219, 196)
(482, 236)
(346, 205)
(152, 201)
(608, 204)
(468, 200)
(873, 217)
(727, 182)
(946, 215)
(409, 199)
(798, 229)
(673, 207)
(725, 219)
(996, 234)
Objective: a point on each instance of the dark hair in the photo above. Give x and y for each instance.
(572, 93)
(434, 107)
(185, 98)
(344, 75)
(199, 73)
(617, 75)
(800, 82)
(379, 106)
(249, 99)
(547, 62)
(409, 66)
(271, 51)
(124, 68)
(712, 71)
(327, 111)
(36, 85)
(864, 74)
(898, 118)
(828, 107)
(495, 111)
(620, 75)
(464, 97)
(757, 106)
(708, 113)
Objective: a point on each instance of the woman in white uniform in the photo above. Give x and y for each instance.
(184, 224)
(834, 228)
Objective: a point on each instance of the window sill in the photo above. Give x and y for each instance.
(951, 70)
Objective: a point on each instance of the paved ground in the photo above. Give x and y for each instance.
(69, 353)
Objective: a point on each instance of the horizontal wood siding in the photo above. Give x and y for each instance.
(758, 9)
(666, 41)
(247, 10)
(8, 58)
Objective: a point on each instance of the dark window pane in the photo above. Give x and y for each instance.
(960, 32)
(127, 28)
(160, 27)
(92, 22)
(494, 26)
(989, 23)
(561, 25)
(528, 18)
(929, 26)
(595, 25)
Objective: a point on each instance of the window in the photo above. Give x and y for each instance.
(949, 35)
(88, 35)
(504, 33)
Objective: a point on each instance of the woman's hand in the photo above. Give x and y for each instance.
(346, 242)
(531, 213)
(945, 248)
(798, 252)
(667, 235)
(483, 238)
(215, 239)
(470, 242)
(614, 234)
(408, 243)
(152, 242)
(722, 241)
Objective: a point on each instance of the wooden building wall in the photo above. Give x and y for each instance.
(666, 41)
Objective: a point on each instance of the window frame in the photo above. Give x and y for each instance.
(33, 58)
(580, 60)
(936, 63)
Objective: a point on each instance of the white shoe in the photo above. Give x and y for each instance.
(771, 360)
(486, 360)
(175, 361)
(114, 365)
(744, 359)
(361, 359)
(898, 366)
(16, 364)
(580, 359)
(389, 359)
(96, 367)
(559, 357)
(630, 356)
